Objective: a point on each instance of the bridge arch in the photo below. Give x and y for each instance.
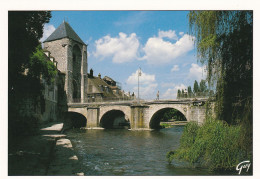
(116, 112)
(156, 109)
(114, 119)
(75, 111)
(75, 120)
(158, 115)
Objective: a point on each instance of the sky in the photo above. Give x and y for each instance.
(121, 42)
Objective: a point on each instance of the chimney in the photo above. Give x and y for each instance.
(91, 73)
(99, 75)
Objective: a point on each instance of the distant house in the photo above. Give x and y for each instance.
(105, 89)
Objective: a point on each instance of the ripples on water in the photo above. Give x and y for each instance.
(124, 152)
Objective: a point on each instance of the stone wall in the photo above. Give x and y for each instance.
(31, 106)
(62, 51)
(197, 114)
(50, 93)
(43, 107)
(59, 50)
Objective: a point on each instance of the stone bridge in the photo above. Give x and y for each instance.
(141, 114)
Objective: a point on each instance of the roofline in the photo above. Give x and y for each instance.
(64, 38)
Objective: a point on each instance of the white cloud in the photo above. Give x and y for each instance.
(47, 31)
(171, 93)
(181, 33)
(147, 85)
(197, 72)
(180, 86)
(169, 34)
(159, 51)
(143, 79)
(175, 68)
(147, 91)
(167, 85)
(122, 48)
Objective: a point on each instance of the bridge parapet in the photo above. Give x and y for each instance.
(135, 102)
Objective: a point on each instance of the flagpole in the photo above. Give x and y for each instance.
(139, 74)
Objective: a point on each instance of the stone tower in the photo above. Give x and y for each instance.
(71, 54)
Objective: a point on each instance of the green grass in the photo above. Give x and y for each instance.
(172, 124)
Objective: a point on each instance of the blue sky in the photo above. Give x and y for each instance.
(119, 42)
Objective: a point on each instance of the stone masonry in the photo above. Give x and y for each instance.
(139, 115)
(71, 54)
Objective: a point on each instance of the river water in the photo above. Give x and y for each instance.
(125, 152)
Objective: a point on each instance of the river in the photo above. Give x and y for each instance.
(125, 152)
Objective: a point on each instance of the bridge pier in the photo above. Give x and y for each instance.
(139, 116)
(93, 117)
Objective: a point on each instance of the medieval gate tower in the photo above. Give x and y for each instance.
(71, 54)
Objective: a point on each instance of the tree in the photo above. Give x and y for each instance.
(195, 88)
(211, 93)
(203, 88)
(40, 66)
(179, 94)
(25, 28)
(182, 93)
(26, 65)
(224, 41)
(189, 92)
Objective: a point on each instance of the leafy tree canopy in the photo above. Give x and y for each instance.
(179, 94)
(25, 28)
(195, 87)
(40, 66)
(225, 44)
(203, 86)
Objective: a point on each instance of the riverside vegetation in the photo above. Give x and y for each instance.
(224, 41)
(214, 145)
(27, 65)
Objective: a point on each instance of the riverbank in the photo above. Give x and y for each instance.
(49, 153)
(172, 124)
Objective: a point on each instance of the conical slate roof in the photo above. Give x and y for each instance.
(64, 31)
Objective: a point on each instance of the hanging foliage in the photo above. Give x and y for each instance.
(224, 41)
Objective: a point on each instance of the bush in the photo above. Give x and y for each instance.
(214, 145)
